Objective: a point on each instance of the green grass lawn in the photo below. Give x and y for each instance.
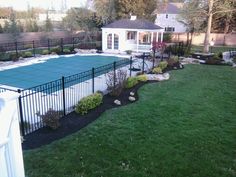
(179, 128)
(214, 49)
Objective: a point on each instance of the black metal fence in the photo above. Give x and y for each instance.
(63, 94)
(15, 50)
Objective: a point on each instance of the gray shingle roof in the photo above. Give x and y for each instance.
(133, 24)
(172, 8)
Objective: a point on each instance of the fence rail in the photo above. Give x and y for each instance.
(14, 50)
(63, 94)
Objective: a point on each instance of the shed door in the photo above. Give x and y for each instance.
(116, 42)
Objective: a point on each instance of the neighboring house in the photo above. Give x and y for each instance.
(167, 18)
(4, 14)
(54, 17)
(130, 34)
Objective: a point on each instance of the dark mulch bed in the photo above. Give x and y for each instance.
(73, 122)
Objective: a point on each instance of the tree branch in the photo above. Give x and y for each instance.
(233, 10)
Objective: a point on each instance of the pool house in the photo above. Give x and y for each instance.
(130, 34)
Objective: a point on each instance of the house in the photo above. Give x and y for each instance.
(130, 34)
(167, 18)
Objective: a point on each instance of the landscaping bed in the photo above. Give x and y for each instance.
(74, 122)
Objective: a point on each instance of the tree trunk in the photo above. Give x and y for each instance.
(227, 25)
(209, 23)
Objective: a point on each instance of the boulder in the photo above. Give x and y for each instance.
(131, 93)
(132, 99)
(158, 77)
(117, 102)
(166, 76)
(77, 50)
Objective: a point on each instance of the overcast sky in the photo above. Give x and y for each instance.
(56, 4)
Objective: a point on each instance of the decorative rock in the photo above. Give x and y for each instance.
(132, 99)
(190, 61)
(158, 77)
(166, 76)
(180, 66)
(131, 93)
(174, 67)
(117, 102)
(76, 50)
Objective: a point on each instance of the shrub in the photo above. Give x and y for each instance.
(157, 70)
(13, 57)
(173, 61)
(120, 80)
(234, 59)
(45, 52)
(66, 50)
(128, 52)
(213, 61)
(27, 54)
(220, 55)
(131, 82)
(163, 65)
(88, 103)
(28, 46)
(216, 57)
(4, 56)
(51, 119)
(56, 50)
(142, 78)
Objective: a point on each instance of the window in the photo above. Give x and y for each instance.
(116, 41)
(131, 35)
(170, 29)
(147, 38)
(166, 15)
(109, 41)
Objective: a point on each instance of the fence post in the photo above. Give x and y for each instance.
(48, 45)
(33, 49)
(93, 80)
(16, 49)
(153, 59)
(143, 62)
(73, 43)
(21, 114)
(114, 70)
(63, 95)
(130, 67)
(175, 49)
(61, 45)
(179, 49)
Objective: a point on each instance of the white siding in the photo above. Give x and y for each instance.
(171, 21)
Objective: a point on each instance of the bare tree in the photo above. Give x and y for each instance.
(215, 7)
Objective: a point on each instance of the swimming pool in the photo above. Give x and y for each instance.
(49, 70)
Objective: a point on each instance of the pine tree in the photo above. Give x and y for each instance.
(6, 27)
(14, 28)
(48, 24)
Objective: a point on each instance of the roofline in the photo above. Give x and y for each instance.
(135, 29)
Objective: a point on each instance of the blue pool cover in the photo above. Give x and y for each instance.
(53, 69)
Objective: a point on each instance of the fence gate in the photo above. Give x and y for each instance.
(11, 158)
